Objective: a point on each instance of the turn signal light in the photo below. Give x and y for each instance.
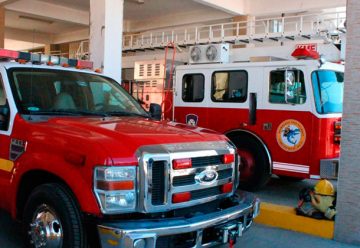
(228, 158)
(337, 139)
(183, 163)
(115, 185)
(181, 197)
(337, 126)
(227, 188)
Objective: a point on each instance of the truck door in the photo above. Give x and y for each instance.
(190, 101)
(6, 165)
(287, 119)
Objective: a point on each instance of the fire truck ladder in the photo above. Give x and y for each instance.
(300, 27)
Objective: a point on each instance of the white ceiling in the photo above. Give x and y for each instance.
(75, 4)
(133, 11)
(41, 24)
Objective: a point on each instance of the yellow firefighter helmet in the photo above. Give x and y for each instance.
(324, 187)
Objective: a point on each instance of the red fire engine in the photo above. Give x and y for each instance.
(282, 112)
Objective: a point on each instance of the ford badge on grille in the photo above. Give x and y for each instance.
(206, 177)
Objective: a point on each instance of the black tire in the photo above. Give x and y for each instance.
(261, 171)
(60, 202)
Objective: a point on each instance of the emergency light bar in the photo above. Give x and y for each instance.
(8, 54)
(303, 53)
(37, 58)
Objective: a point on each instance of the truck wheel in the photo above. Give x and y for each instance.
(52, 219)
(254, 163)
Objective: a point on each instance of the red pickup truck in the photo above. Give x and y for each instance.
(83, 164)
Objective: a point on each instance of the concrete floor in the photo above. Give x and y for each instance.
(260, 236)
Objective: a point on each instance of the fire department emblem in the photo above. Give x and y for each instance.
(192, 120)
(291, 135)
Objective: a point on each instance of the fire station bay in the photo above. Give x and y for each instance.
(179, 123)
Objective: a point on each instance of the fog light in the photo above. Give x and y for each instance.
(139, 243)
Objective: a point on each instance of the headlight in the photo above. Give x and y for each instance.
(115, 188)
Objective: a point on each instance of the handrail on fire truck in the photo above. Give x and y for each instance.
(296, 27)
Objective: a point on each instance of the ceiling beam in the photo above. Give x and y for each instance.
(78, 35)
(50, 11)
(27, 35)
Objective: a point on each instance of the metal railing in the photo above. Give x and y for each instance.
(319, 25)
(83, 50)
(299, 27)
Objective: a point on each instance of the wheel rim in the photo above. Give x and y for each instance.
(45, 228)
(247, 165)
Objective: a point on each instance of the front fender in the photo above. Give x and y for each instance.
(79, 179)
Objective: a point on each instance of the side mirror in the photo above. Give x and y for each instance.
(155, 111)
(4, 116)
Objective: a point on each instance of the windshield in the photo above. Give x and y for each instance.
(53, 92)
(328, 91)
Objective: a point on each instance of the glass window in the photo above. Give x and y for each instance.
(193, 88)
(328, 91)
(50, 92)
(2, 94)
(229, 86)
(287, 87)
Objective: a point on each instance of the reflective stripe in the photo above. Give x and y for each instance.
(291, 167)
(6, 165)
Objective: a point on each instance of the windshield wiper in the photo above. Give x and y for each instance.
(126, 113)
(69, 112)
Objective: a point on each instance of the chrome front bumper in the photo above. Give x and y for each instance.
(145, 233)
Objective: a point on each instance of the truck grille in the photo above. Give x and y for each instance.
(160, 182)
(203, 193)
(205, 161)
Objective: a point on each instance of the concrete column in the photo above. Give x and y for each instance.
(347, 223)
(106, 27)
(2, 26)
(244, 26)
(47, 49)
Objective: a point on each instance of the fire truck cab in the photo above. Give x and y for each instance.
(283, 114)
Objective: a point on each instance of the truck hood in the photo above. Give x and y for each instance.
(120, 137)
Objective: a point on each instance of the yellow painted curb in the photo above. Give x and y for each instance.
(285, 217)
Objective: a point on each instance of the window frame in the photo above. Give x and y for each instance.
(318, 86)
(228, 71)
(284, 70)
(182, 87)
